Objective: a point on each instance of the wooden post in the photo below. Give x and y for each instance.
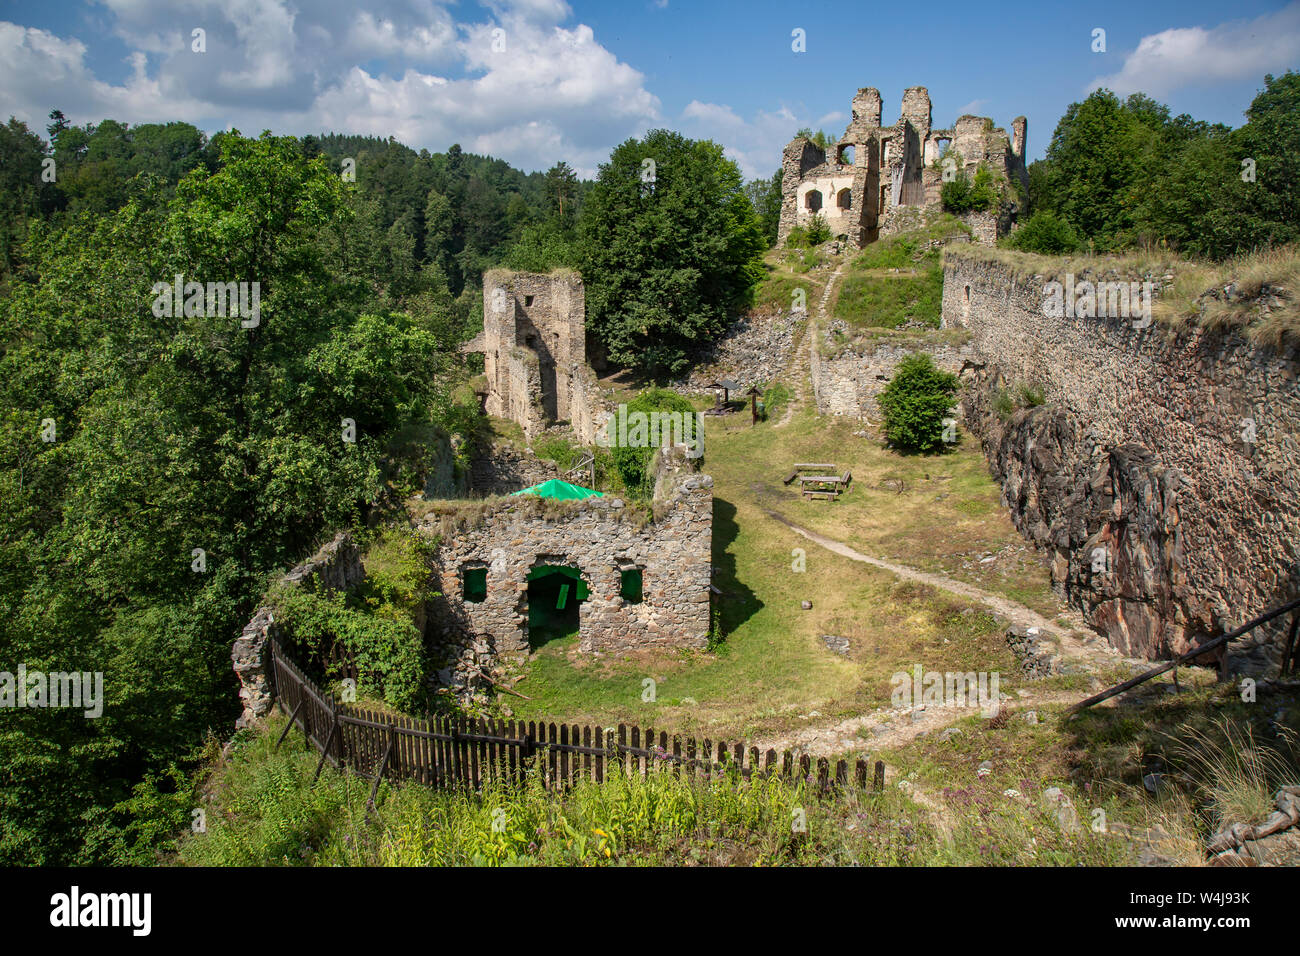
(383, 765)
(324, 751)
(1290, 645)
(289, 726)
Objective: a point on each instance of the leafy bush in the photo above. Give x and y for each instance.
(915, 402)
(326, 629)
(1044, 232)
(818, 231)
(775, 398)
(633, 463)
(963, 194)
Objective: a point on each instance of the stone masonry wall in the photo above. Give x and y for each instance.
(599, 537)
(1165, 525)
(755, 348)
(337, 566)
(847, 382)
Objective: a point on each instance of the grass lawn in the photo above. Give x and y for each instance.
(773, 666)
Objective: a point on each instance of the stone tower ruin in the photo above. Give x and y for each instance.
(878, 178)
(534, 351)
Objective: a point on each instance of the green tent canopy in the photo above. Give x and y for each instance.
(560, 489)
(545, 570)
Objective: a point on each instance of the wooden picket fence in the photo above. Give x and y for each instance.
(466, 753)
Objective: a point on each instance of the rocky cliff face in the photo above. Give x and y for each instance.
(1161, 472)
(1109, 518)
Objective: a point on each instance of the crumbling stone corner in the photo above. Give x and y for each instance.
(337, 567)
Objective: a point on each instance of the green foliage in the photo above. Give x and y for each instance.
(775, 398)
(177, 433)
(1044, 232)
(330, 630)
(765, 196)
(818, 232)
(888, 302)
(667, 262)
(821, 139)
(966, 194)
(634, 463)
(1006, 401)
(1124, 172)
(915, 402)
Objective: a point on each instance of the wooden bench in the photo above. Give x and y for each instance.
(790, 477)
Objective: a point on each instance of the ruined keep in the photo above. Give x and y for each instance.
(879, 178)
(534, 351)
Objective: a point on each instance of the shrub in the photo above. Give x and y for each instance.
(633, 463)
(964, 194)
(818, 231)
(1046, 233)
(915, 402)
(775, 397)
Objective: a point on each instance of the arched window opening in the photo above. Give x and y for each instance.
(845, 199)
(813, 200)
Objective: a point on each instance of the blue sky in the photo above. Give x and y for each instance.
(535, 81)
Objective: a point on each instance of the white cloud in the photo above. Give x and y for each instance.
(554, 93)
(1166, 61)
(754, 144)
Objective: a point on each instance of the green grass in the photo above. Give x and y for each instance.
(912, 249)
(876, 301)
(265, 811)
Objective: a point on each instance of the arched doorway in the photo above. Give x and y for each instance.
(555, 596)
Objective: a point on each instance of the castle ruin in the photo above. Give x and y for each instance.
(878, 178)
(535, 353)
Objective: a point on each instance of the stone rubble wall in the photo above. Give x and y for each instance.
(503, 468)
(1164, 525)
(755, 348)
(335, 567)
(600, 537)
(849, 381)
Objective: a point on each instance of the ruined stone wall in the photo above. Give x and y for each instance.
(754, 349)
(337, 566)
(599, 536)
(502, 468)
(846, 380)
(1164, 525)
(534, 346)
(799, 157)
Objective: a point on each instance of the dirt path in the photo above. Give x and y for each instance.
(801, 357)
(1014, 612)
(886, 728)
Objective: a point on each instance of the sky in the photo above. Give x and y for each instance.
(538, 81)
